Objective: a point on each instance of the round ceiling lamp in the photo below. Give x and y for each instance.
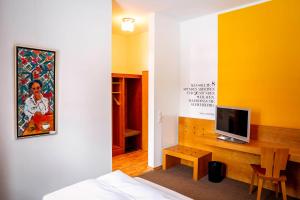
(128, 24)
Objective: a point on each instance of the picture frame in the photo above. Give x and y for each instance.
(35, 91)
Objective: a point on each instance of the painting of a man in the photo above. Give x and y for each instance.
(35, 91)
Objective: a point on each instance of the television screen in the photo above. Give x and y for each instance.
(232, 121)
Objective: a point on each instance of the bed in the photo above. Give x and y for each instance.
(115, 186)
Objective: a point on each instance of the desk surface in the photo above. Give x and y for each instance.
(252, 147)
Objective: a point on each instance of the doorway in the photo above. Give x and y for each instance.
(129, 93)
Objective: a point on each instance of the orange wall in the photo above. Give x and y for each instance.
(259, 62)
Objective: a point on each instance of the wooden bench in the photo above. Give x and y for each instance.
(173, 155)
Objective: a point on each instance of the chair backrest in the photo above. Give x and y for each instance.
(280, 161)
(274, 160)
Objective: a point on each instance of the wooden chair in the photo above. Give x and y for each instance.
(273, 161)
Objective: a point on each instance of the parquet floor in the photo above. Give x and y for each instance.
(133, 163)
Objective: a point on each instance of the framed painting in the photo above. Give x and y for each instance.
(35, 92)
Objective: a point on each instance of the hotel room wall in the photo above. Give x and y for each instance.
(130, 53)
(163, 85)
(120, 58)
(257, 44)
(80, 31)
(138, 51)
(259, 62)
(198, 59)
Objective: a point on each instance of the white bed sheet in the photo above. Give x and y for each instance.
(115, 186)
(161, 188)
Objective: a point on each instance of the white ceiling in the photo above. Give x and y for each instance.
(179, 9)
(119, 12)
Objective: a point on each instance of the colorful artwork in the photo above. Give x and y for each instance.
(35, 91)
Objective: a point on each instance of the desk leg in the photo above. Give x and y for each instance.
(169, 161)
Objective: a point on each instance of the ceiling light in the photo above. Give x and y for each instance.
(128, 24)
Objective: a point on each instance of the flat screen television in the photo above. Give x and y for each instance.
(233, 124)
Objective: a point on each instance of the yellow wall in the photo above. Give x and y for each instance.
(259, 62)
(130, 53)
(120, 45)
(138, 52)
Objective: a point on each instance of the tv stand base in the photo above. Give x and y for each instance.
(230, 139)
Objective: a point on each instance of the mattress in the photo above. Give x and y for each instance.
(115, 186)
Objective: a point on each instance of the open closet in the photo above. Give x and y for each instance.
(127, 117)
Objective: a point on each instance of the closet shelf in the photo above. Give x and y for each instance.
(131, 132)
(116, 92)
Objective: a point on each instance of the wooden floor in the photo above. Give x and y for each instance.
(133, 163)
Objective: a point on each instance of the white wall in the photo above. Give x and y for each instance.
(163, 85)
(80, 31)
(198, 61)
(180, 53)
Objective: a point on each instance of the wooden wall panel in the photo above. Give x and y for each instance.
(285, 136)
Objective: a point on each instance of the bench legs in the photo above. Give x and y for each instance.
(196, 170)
(170, 161)
(201, 167)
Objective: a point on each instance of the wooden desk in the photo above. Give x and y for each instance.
(199, 158)
(253, 147)
(199, 134)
